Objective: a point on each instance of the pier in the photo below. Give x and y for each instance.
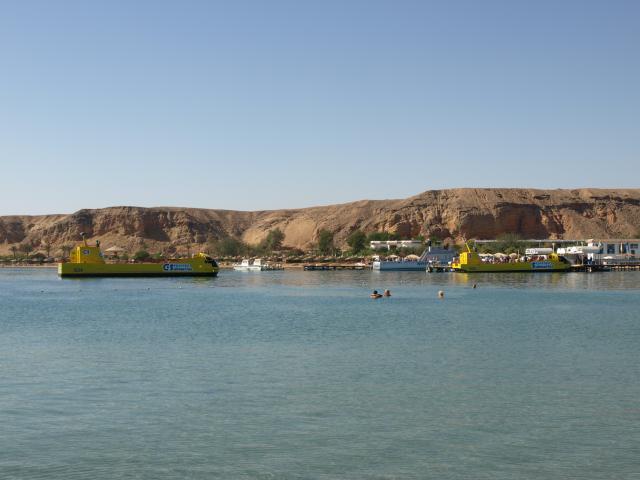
(339, 266)
(603, 267)
(624, 266)
(597, 267)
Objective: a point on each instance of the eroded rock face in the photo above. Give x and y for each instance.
(448, 214)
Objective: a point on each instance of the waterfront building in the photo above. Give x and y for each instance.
(394, 244)
(609, 251)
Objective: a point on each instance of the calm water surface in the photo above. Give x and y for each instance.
(296, 375)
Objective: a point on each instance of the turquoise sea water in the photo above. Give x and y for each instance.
(299, 375)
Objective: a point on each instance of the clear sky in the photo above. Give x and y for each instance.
(274, 104)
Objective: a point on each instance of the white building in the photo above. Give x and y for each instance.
(391, 244)
(608, 251)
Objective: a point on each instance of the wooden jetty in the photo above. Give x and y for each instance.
(334, 266)
(625, 266)
(605, 267)
(597, 267)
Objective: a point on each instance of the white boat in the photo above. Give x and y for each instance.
(430, 257)
(400, 265)
(247, 266)
(256, 266)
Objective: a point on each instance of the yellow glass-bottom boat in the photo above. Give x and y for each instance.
(471, 262)
(87, 261)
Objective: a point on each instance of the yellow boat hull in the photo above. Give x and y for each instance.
(546, 266)
(471, 262)
(167, 269)
(136, 270)
(87, 261)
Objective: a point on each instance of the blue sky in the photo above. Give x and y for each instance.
(280, 104)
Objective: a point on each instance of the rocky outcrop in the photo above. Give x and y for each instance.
(448, 214)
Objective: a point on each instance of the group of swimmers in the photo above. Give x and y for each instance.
(387, 293)
(375, 294)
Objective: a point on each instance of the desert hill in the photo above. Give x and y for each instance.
(481, 213)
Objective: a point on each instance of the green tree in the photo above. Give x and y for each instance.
(273, 241)
(357, 241)
(325, 242)
(141, 255)
(509, 243)
(382, 236)
(229, 247)
(211, 245)
(26, 248)
(46, 244)
(14, 250)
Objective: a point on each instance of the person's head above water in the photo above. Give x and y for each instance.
(387, 293)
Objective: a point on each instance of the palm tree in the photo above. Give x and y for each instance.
(14, 250)
(47, 247)
(66, 250)
(26, 248)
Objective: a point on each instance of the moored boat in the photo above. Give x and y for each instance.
(430, 257)
(256, 266)
(470, 261)
(88, 261)
(399, 264)
(248, 266)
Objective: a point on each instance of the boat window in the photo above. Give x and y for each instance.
(611, 249)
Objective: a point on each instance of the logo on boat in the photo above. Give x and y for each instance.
(176, 267)
(539, 265)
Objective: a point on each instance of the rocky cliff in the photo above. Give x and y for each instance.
(481, 213)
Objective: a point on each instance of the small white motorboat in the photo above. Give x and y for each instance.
(256, 266)
(247, 266)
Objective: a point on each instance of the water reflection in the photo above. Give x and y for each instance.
(381, 280)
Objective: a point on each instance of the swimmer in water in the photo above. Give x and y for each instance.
(387, 293)
(375, 294)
